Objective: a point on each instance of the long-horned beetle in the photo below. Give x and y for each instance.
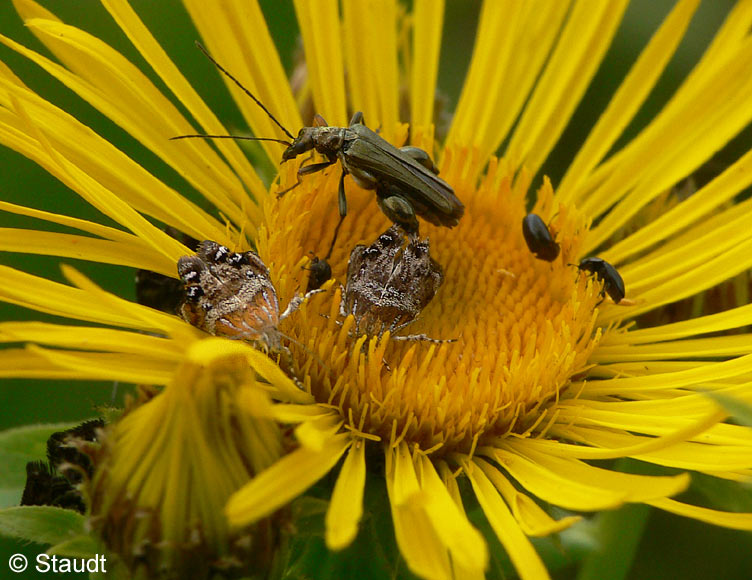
(405, 180)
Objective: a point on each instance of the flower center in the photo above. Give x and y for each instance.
(521, 327)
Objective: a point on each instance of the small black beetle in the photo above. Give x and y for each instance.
(613, 284)
(539, 239)
(320, 270)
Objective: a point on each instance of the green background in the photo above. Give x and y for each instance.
(667, 546)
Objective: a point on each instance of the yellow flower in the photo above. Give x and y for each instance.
(168, 466)
(543, 377)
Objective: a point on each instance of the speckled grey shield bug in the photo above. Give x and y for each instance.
(389, 283)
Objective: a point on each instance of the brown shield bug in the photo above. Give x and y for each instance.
(230, 294)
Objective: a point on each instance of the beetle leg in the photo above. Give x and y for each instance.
(400, 211)
(421, 157)
(305, 170)
(342, 200)
(314, 167)
(357, 119)
(334, 239)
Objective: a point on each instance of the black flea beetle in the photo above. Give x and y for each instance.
(320, 270)
(539, 239)
(613, 284)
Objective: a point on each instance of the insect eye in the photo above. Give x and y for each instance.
(386, 240)
(189, 276)
(194, 292)
(221, 254)
(420, 250)
(236, 259)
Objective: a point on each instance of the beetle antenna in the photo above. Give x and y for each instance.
(246, 91)
(236, 137)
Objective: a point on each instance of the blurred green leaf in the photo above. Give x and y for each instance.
(41, 524)
(17, 447)
(82, 546)
(738, 409)
(722, 494)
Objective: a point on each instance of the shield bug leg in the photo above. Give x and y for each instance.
(424, 337)
(539, 239)
(296, 301)
(613, 283)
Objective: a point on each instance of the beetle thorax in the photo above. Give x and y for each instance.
(328, 140)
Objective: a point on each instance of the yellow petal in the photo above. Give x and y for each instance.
(632, 92)
(736, 521)
(153, 53)
(86, 226)
(633, 487)
(533, 520)
(524, 557)
(346, 507)
(320, 28)
(370, 42)
(148, 317)
(617, 445)
(687, 455)
(582, 45)
(427, 19)
(416, 536)
(717, 347)
(121, 91)
(25, 364)
(727, 320)
(284, 387)
(283, 481)
(734, 179)
(450, 482)
(128, 368)
(24, 103)
(512, 44)
(104, 339)
(552, 486)
(134, 254)
(465, 544)
(236, 34)
(685, 138)
(680, 379)
(61, 300)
